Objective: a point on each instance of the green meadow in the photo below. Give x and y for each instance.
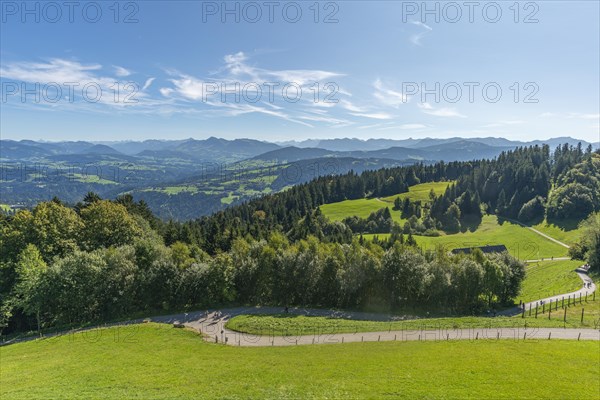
(293, 325)
(360, 208)
(153, 361)
(549, 278)
(520, 242)
(364, 207)
(565, 231)
(420, 192)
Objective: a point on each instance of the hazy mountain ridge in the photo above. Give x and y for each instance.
(217, 149)
(348, 144)
(189, 178)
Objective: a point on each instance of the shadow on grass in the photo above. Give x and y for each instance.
(565, 225)
(470, 223)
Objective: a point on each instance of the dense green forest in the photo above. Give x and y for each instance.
(100, 259)
(517, 184)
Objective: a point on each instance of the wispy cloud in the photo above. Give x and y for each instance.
(440, 112)
(287, 93)
(416, 38)
(80, 86)
(148, 83)
(378, 115)
(389, 96)
(121, 72)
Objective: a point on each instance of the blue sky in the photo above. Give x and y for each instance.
(172, 60)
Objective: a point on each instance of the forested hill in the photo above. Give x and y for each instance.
(103, 259)
(517, 184)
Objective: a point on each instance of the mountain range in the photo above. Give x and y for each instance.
(216, 149)
(183, 179)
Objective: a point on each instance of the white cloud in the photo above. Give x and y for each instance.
(388, 96)
(416, 37)
(247, 80)
(54, 71)
(121, 72)
(148, 83)
(373, 115)
(84, 87)
(351, 107)
(440, 112)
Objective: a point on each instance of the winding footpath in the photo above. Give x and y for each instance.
(588, 288)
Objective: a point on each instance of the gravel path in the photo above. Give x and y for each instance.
(213, 325)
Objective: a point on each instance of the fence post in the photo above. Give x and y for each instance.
(543, 308)
(565, 317)
(582, 310)
(563, 302)
(536, 311)
(549, 312)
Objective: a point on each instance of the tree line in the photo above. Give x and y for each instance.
(100, 260)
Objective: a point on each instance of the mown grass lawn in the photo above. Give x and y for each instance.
(549, 278)
(293, 325)
(154, 361)
(521, 242)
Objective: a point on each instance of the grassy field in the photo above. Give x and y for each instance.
(549, 278)
(359, 208)
(420, 192)
(157, 361)
(364, 207)
(521, 242)
(292, 325)
(567, 232)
